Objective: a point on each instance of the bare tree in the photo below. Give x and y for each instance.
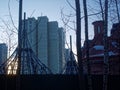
(89, 78)
(113, 11)
(106, 64)
(105, 40)
(115, 6)
(78, 44)
(8, 35)
(9, 31)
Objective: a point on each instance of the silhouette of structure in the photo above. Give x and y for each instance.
(71, 66)
(23, 59)
(47, 41)
(96, 52)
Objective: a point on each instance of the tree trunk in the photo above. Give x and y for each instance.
(118, 15)
(78, 44)
(89, 78)
(106, 64)
(19, 46)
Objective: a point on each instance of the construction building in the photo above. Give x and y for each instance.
(47, 41)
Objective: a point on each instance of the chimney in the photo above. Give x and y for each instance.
(98, 28)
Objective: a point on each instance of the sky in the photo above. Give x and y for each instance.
(50, 8)
(36, 8)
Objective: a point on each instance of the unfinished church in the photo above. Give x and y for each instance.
(96, 49)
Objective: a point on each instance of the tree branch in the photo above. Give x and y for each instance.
(11, 15)
(70, 5)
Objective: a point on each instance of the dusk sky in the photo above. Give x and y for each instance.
(50, 8)
(36, 8)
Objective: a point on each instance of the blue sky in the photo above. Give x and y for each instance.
(49, 8)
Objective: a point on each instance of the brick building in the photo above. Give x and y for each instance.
(96, 49)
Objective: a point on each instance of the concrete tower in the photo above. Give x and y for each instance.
(53, 46)
(47, 41)
(42, 39)
(31, 32)
(3, 52)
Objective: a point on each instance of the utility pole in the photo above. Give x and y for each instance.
(78, 45)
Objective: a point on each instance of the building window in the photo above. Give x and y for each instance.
(30, 22)
(98, 29)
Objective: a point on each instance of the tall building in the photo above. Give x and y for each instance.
(31, 32)
(3, 52)
(42, 39)
(47, 41)
(61, 49)
(53, 46)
